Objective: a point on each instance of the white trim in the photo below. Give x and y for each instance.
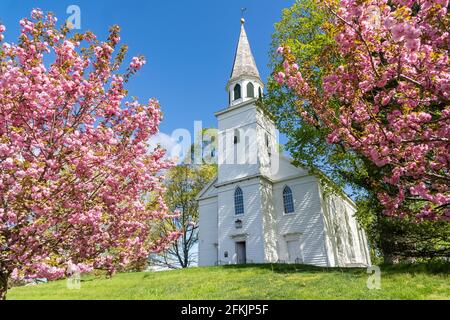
(242, 78)
(294, 236)
(235, 107)
(239, 237)
(243, 179)
(206, 188)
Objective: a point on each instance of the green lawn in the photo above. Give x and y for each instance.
(423, 281)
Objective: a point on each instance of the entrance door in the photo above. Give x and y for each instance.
(294, 253)
(241, 253)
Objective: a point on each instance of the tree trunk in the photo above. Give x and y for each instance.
(3, 285)
(391, 258)
(387, 241)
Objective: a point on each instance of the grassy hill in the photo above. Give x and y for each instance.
(423, 281)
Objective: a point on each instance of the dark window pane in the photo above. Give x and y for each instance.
(237, 91)
(238, 201)
(250, 90)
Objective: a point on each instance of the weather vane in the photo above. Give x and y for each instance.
(242, 15)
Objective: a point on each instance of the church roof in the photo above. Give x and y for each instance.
(244, 62)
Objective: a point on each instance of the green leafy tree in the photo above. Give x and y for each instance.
(183, 183)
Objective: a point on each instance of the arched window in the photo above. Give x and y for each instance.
(238, 201)
(288, 200)
(250, 90)
(259, 92)
(237, 91)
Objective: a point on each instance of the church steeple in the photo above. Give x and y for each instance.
(244, 62)
(245, 82)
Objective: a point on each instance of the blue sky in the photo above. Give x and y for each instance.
(189, 46)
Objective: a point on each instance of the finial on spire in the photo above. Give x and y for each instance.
(242, 15)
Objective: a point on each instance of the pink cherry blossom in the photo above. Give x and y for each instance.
(394, 90)
(78, 184)
(137, 63)
(279, 77)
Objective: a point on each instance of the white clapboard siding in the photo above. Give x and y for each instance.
(346, 240)
(208, 232)
(305, 223)
(252, 224)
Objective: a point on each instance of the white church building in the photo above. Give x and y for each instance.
(260, 208)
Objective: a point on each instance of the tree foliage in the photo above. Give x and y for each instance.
(387, 100)
(183, 184)
(74, 161)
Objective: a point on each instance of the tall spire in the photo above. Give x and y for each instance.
(244, 62)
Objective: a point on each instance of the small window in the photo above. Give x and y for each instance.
(288, 200)
(237, 91)
(268, 144)
(236, 137)
(259, 92)
(250, 90)
(238, 201)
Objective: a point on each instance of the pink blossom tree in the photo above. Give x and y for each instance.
(78, 185)
(389, 99)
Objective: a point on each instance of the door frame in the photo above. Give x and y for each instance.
(297, 237)
(244, 245)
